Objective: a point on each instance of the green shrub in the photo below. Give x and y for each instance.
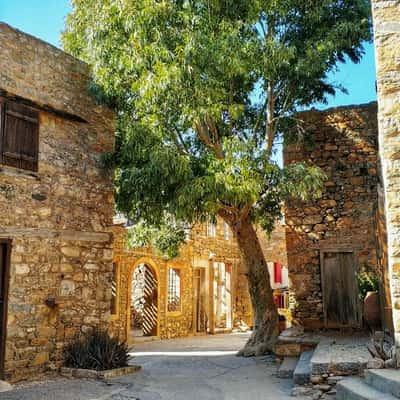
(96, 350)
(367, 282)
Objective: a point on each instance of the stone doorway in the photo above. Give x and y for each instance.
(5, 251)
(143, 321)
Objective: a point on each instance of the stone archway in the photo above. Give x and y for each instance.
(143, 301)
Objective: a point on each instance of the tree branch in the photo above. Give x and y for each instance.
(203, 129)
(270, 126)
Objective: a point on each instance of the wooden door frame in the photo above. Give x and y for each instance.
(3, 322)
(337, 250)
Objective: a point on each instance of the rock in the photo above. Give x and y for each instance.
(293, 331)
(317, 395)
(302, 391)
(391, 363)
(376, 363)
(323, 388)
(333, 380)
(316, 379)
(332, 392)
(378, 336)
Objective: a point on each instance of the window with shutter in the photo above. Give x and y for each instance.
(19, 136)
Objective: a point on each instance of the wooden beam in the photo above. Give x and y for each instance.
(41, 107)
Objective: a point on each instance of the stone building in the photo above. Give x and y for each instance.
(57, 205)
(204, 290)
(386, 15)
(331, 239)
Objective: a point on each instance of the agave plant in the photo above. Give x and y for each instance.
(96, 350)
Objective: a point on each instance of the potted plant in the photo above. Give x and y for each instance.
(368, 287)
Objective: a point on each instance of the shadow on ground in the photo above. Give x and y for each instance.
(196, 368)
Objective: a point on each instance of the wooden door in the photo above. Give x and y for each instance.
(150, 312)
(340, 291)
(199, 301)
(5, 247)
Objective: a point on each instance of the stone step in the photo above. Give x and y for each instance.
(385, 380)
(357, 389)
(302, 373)
(334, 357)
(287, 367)
(5, 386)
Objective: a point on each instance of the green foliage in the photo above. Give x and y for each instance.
(96, 350)
(203, 88)
(367, 282)
(165, 238)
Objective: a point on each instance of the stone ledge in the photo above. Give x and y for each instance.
(93, 374)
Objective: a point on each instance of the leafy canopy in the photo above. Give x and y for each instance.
(203, 88)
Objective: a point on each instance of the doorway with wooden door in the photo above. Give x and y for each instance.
(5, 250)
(200, 302)
(144, 302)
(339, 288)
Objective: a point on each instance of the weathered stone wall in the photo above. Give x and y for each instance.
(345, 148)
(387, 45)
(58, 218)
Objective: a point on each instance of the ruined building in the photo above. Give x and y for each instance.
(331, 239)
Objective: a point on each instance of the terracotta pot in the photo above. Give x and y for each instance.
(372, 309)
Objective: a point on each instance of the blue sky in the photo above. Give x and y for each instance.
(45, 20)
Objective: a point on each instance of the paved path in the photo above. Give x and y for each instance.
(197, 368)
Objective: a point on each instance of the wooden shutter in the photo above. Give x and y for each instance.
(278, 273)
(20, 139)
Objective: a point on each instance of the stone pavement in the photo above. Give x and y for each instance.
(196, 368)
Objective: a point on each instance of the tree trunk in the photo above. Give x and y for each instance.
(266, 319)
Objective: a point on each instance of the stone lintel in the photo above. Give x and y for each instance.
(69, 235)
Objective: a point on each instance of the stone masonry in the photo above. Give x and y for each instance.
(344, 146)
(170, 325)
(59, 218)
(387, 45)
(200, 251)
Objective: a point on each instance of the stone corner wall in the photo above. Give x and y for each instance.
(59, 218)
(386, 15)
(345, 148)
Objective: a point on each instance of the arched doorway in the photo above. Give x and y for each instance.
(143, 313)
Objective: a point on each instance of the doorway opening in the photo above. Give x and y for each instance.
(5, 252)
(222, 297)
(144, 302)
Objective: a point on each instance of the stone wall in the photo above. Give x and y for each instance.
(344, 146)
(59, 218)
(387, 45)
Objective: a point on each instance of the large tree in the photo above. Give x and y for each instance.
(203, 88)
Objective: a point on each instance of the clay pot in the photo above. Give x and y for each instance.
(372, 309)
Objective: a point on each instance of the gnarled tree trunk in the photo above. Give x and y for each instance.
(266, 319)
